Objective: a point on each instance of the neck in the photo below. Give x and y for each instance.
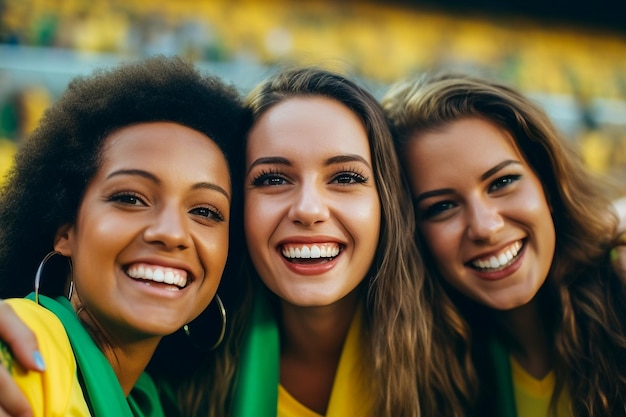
(311, 332)
(312, 340)
(128, 354)
(129, 360)
(530, 339)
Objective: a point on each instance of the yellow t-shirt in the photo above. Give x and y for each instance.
(351, 394)
(532, 396)
(55, 392)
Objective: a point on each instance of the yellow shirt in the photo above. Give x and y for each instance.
(351, 394)
(56, 392)
(532, 396)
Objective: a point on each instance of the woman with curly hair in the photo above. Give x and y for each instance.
(516, 234)
(124, 191)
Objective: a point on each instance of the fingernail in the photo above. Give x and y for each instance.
(39, 361)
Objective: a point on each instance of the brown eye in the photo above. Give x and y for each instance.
(208, 212)
(349, 178)
(127, 198)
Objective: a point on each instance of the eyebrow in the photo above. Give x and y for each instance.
(498, 167)
(156, 180)
(279, 160)
(347, 158)
(443, 191)
(274, 160)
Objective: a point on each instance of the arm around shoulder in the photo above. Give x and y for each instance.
(56, 391)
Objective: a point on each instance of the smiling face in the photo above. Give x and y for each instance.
(150, 241)
(312, 212)
(482, 212)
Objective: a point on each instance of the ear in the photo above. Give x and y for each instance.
(63, 240)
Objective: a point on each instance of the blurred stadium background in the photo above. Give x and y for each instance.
(569, 56)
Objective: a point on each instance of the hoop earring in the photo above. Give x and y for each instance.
(40, 269)
(220, 337)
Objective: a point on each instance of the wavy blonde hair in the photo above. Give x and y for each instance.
(583, 299)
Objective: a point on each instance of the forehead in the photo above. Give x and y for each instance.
(156, 145)
(462, 137)
(460, 148)
(309, 125)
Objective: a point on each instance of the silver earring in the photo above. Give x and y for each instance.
(220, 337)
(40, 269)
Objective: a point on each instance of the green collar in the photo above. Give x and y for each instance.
(256, 390)
(503, 378)
(100, 384)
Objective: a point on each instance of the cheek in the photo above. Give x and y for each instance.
(439, 241)
(257, 232)
(216, 248)
(365, 216)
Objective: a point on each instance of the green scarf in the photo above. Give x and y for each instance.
(103, 391)
(256, 390)
(504, 380)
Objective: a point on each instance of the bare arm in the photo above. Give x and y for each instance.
(25, 349)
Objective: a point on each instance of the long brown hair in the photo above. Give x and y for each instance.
(397, 319)
(583, 298)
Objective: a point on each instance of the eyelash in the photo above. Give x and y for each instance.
(263, 178)
(441, 206)
(435, 209)
(124, 197)
(214, 213)
(353, 175)
(504, 181)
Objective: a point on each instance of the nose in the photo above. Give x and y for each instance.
(484, 221)
(309, 206)
(168, 227)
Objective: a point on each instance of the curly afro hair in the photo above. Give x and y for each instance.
(55, 164)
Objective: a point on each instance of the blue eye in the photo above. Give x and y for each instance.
(503, 182)
(436, 209)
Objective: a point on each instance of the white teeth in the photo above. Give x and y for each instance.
(159, 274)
(501, 260)
(326, 250)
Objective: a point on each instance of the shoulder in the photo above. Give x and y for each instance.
(46, 326)
(57, 389)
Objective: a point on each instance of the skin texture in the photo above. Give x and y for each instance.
(13, 401)
(143, 211)
(310, 183)
(477, 198)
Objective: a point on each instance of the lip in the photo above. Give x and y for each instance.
(311, 269)
(502, 273)
(309, 240)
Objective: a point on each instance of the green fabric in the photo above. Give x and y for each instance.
(504, 380)
(103, 391)
(256, 392)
